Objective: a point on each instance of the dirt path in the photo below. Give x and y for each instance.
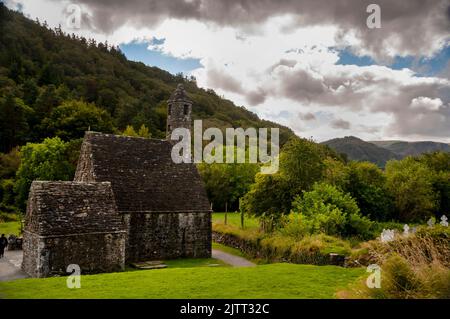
(232, 260)
(10, 266)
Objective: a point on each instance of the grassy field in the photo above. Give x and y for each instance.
(234, 219)
(8, 228)
(265, 281)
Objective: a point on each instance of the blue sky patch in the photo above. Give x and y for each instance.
(423, 66)
(138, 51)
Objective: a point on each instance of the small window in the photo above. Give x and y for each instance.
(169, 127)
(170, 109)
(186, 109)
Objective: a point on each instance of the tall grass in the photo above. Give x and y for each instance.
(414, 266)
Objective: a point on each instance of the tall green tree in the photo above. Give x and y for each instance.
(72, 118)
(13, 122)
(48, 161)
(411, 184)
(226, 183)
(366, 183)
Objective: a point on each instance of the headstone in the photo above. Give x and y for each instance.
(406, 230)
(387, 235)
(431, 222)
(444, 221)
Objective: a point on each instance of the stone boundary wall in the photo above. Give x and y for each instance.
(255, 250)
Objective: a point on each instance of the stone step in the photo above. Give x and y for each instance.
(149, 265)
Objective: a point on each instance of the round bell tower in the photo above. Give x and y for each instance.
(179, 110)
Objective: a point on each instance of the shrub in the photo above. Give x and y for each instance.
(327, 209)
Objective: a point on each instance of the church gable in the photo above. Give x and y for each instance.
(143, 176)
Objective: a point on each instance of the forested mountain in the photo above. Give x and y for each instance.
(403, 148)
(359, 150)
(379, 152)
(53, 83)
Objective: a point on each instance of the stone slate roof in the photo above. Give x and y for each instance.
(179, 94)
(63, 208)
(142, 174)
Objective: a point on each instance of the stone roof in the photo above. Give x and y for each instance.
(142, 174)
(63, 208)
(179, 94)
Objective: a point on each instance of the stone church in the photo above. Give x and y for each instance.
(128, 202)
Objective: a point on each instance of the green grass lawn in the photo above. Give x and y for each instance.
(8, 228)
(234, 219)
(265, 281)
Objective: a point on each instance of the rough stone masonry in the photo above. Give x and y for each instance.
(129, 202)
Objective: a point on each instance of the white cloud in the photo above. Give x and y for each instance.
(283, 64)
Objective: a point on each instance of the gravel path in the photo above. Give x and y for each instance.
(10, 266)
(232, 260)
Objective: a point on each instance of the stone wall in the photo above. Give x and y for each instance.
(72, 223)
(156, 236)
(94, 253)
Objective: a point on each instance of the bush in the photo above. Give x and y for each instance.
(7, 195)
(8, 216)
(328, 210)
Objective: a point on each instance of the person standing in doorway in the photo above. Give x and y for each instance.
(3, 244)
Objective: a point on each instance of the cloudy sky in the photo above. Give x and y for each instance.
(312, 65)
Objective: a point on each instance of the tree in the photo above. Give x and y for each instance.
(144, 132)
(46, 101)
(129, 131)
(439, 162)
(366, 183)
(13, 122)
(226, 183)
(411, 184)
(72, 118)
(42, 161)
(269, 198)
(302, 163)
(9, 163)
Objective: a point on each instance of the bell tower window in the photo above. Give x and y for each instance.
(186, 109)
(169, 111)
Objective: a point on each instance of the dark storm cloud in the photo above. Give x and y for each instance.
(415, 23)
(417, 105)
(224, 81)
(340, 124)
(307, 116)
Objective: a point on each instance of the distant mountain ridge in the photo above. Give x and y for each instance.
(412, 148)
(379, 152)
